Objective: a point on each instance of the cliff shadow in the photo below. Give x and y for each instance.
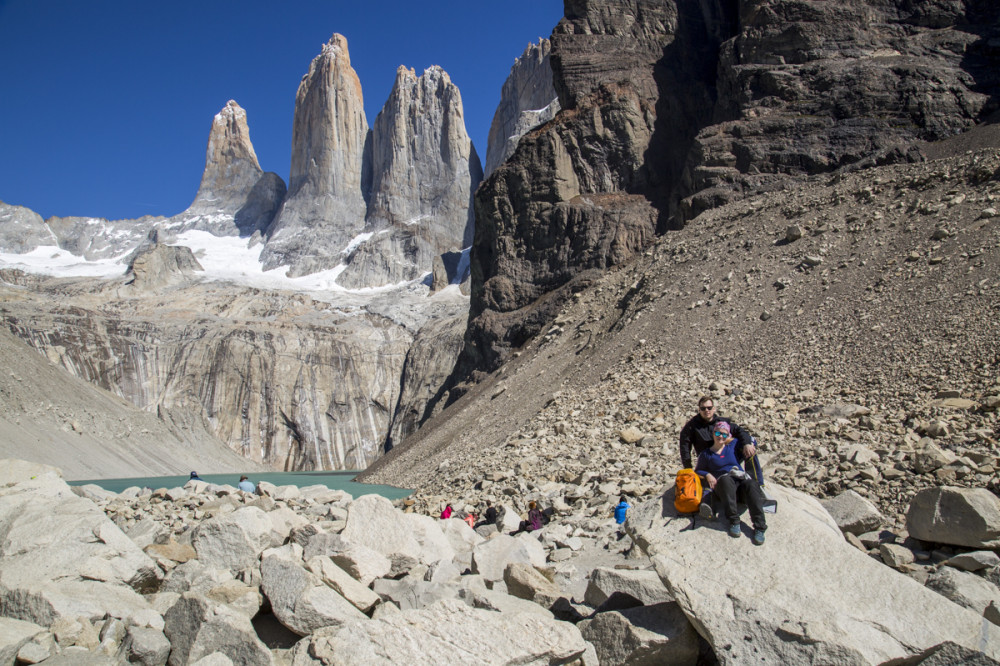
(686, 77)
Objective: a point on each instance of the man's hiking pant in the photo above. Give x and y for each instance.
(729, 489)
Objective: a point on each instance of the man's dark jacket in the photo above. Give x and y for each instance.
(697, 434)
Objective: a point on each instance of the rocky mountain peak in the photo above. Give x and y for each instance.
(325, 207)
(235, 195)
(230, 161)
(424, 172)
(528, 99)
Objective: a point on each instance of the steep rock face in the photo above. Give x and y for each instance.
(96, 238)
(282, 379)
(50, 415)
(808, 87)
(235, 195)
(668, 112)
(325, 206)
(527, 100)
(424, 171)
(570, 198)
(22, 230)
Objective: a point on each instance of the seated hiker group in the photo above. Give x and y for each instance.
(728, 472)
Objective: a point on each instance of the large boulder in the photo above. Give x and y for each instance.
(373, 522)
(234, 540)
(360, 596)
(13, 635)
(969, 590)
(853, 513)
(784, 603)
(361, 562)
(60, 556)
(491, 557)
(196, 627)
(644, 586)
(658, 634)
(300, 600)
(958, 516)
(448, 632)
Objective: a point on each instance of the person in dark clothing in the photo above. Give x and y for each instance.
(697, 433)
(489, 516)
(722, 472)
(194, 477)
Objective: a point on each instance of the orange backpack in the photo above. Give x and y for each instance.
(687, 491)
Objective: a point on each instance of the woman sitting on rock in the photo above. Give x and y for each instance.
(719, 467)
(534, 521)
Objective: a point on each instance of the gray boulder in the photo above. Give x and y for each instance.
(361, 562)
(968, 590)
(448, 632)
(197, 627)
(957, 516)
(853, 513)
(13, 635)
(783, 603)
(300, 600)
(373, 522)
(644, 586)
(233, 541)
(60, 556)
(360, 596)
(491, 557)
(658, 634)
(526, 582)
(146, 646)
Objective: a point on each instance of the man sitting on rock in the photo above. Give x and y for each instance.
(722, 472)
(697, 433)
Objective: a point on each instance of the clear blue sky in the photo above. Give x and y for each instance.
(105, 105)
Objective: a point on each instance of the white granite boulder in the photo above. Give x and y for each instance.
(787, 603)
(300, 600)
(360, 596)
(197, 626)
(233, 541)
(853, 513)
(60, 556)
(491, 557)
(448, 632)
(13, 635)
(644, 586)
(957, 516)
(657, 634)
(968, 590)
(361, 562)
(373, 522)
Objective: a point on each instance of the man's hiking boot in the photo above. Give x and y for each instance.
(758, 537)
(705, 511)
(734, 530)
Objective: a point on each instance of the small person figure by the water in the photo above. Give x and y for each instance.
(246, 485)
(194, 477)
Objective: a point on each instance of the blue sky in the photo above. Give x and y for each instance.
(105, 106)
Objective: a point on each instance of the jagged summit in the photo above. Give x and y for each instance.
(425, 171)
(528, 99)
(235, 197)
(325, 207)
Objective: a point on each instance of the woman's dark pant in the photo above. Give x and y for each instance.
(729, 488)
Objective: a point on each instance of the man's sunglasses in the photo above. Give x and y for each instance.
(706, 408)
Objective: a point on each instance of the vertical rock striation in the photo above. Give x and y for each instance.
(527, 100)
(325, 206)
(425, 171)
(235, 195)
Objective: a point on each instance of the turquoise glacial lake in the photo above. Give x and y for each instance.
(339, 480)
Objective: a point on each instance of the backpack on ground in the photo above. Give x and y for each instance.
(687, 491)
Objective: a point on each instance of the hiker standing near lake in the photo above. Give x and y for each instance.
(722, 472)
(697, 433)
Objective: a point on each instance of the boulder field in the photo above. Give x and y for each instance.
(210, 575)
